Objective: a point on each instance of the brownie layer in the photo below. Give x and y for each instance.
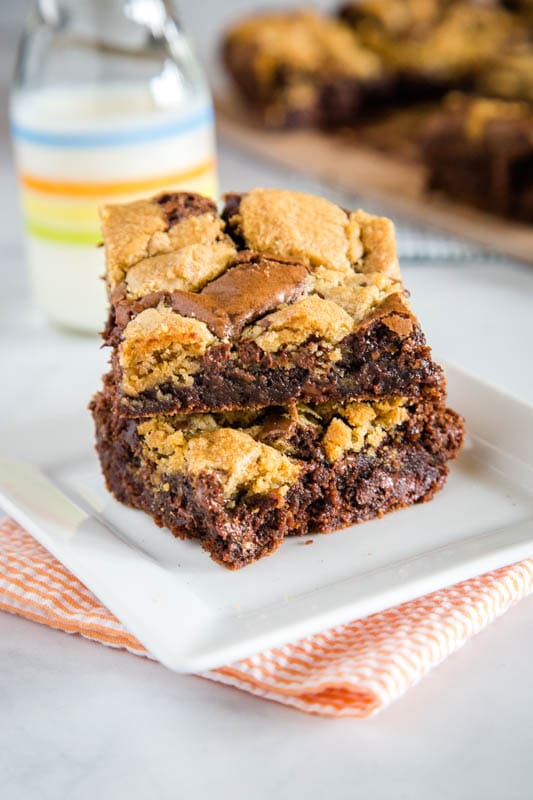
(388, 355)
(313, 470)
(284, 297)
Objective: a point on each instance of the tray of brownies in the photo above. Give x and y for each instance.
(426, 107)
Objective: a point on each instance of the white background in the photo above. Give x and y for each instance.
(81, 721)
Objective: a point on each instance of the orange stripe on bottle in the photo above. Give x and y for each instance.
(75, 189)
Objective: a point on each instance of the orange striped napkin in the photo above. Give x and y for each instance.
(352, 670)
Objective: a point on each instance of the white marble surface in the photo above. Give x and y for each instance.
(80, 721)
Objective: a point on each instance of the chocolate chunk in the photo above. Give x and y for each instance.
(231, 216)
(393, 312)
(232, 202)
(204, 308)
(251, 290)
(242, 294)
(125, 310)
(178, 205)
(276, 427)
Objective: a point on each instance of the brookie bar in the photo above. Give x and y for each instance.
(239, 482)
(284, 297)
(301, 68)
(480, 151)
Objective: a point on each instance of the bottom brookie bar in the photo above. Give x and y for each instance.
(241, 481)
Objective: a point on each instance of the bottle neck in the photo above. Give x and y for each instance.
(103, 14)
(68, 41)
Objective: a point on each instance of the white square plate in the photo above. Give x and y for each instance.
(193, 615)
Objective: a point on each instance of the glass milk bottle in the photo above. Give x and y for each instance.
(108, 105)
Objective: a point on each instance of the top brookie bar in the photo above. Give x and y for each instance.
(283, 297)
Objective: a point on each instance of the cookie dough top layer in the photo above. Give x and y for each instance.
(172, 241)
(445, 39)
(303, 41)
(260, 451)
(178, 242)
(314, 231)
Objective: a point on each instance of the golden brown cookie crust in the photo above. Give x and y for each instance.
(303, 41)
(199, 444)
(143, 229)
(240, 463)
(161, 346)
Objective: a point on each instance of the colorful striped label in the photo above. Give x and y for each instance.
(65, 176)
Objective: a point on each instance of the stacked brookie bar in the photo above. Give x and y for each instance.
(268, 375)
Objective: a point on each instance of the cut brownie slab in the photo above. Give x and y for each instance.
(239, 482)
(283, 297)
(301, 68)
(432, 46)
(480, 151)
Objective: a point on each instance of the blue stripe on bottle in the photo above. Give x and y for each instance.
(105, 138)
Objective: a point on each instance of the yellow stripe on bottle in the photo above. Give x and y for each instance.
(69, 221)
(65, 211)
(63, 236)
(113, 188)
